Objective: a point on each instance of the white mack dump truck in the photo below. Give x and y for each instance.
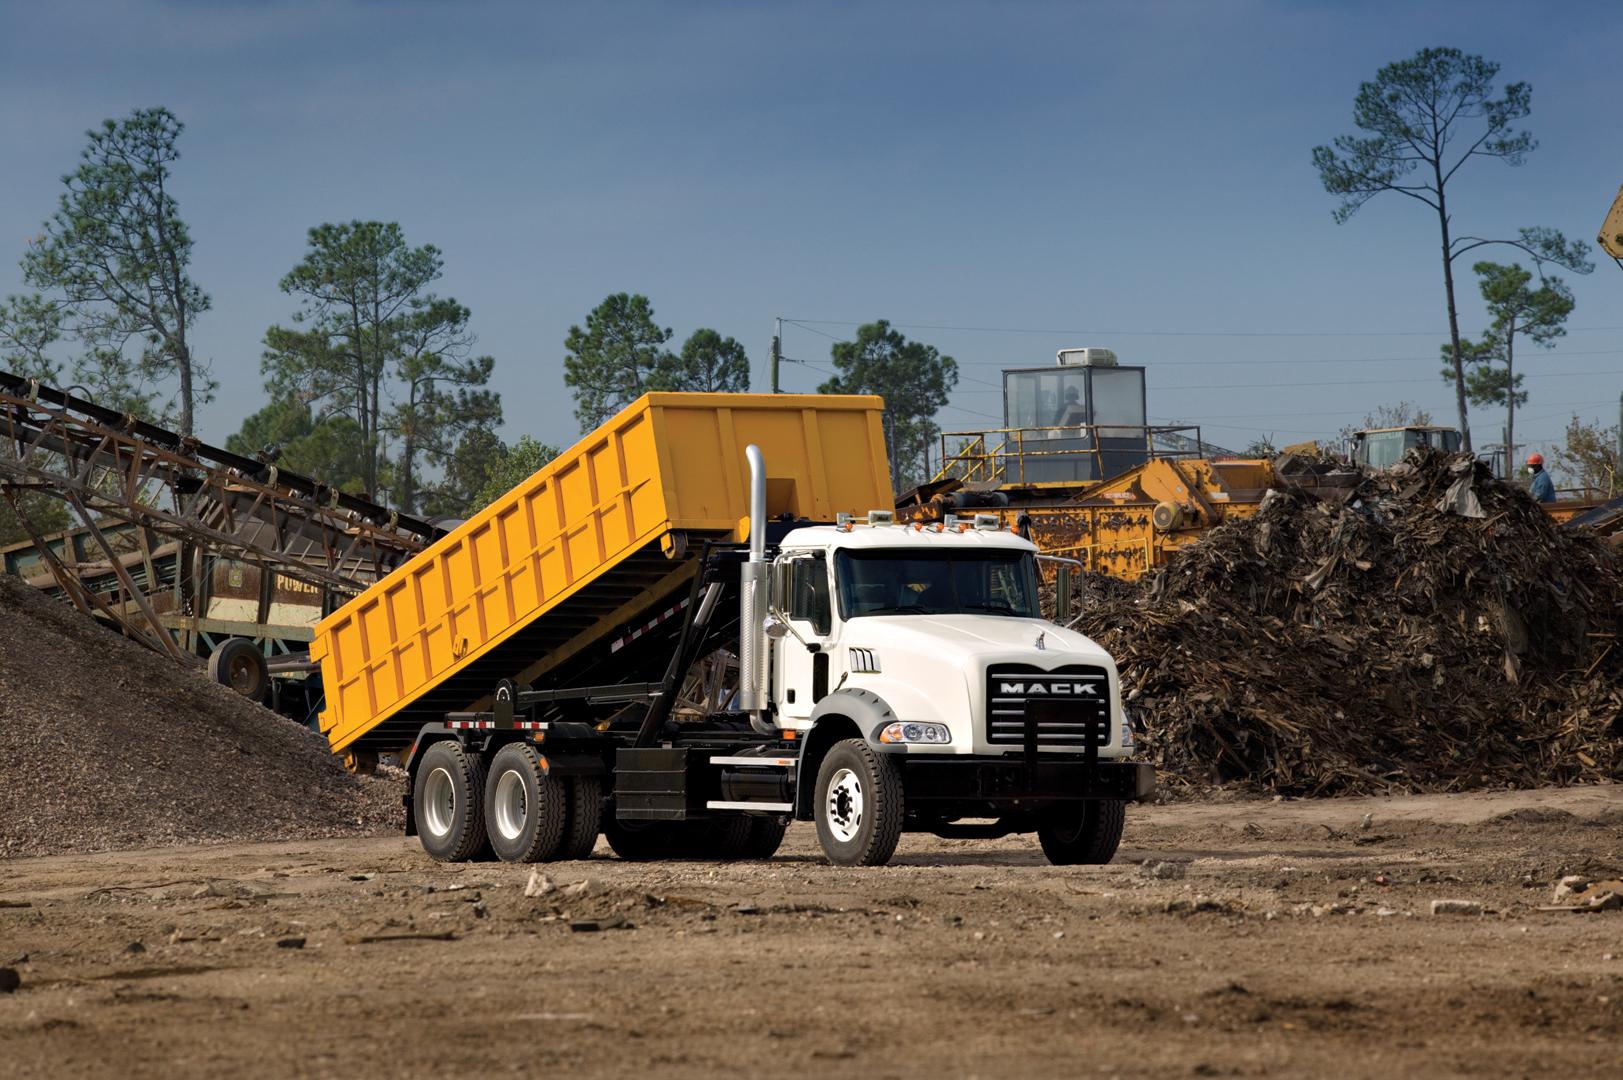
(868, 676)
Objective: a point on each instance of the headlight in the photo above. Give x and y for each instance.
(1126, 729)
(906, 732)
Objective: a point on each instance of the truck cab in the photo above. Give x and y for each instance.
(927, 644)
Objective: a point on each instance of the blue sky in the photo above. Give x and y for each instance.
(1134, 175)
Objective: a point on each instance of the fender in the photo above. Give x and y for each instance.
(866, 711)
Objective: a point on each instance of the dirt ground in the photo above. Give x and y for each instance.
(1243, 938)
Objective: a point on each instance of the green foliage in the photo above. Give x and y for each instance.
(285, 433)
(709, 363)
(29, 326)
(116, 257)
(912, 377)
(1424, 118)
(1588, 457)
(617, 358)
(1260, 447)
(371, 344)
(442, 395)
(1519, 312)
(1413, 111)
(507, 467)
(47, 513)
(1486, 383)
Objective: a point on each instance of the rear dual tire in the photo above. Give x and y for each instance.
(448, 802)
(513, 807)
(526, 808)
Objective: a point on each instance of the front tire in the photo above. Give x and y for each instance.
(525, 807)
(448, 802)
(859, 806)
(1084, 833)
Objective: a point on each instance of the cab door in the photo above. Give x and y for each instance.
(801, 671)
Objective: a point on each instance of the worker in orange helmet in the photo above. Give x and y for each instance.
(1543, 488)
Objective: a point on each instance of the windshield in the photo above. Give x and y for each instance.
(914, 582)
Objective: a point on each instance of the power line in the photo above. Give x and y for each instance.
(804, 325)
(1341, 382)
(1346, 360)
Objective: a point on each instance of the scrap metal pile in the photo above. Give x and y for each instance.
(1433, 632)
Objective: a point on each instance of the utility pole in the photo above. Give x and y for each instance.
(777, 345)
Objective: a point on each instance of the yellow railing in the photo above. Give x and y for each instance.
(980, 458)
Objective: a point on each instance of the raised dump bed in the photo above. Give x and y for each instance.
(592, 543)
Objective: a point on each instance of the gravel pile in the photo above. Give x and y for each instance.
(104, 745)
(1433, 632)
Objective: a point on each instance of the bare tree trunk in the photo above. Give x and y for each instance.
(1453, 322)
(183, 361)
(1510, 402)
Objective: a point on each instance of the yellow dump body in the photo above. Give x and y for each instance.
(598, 537)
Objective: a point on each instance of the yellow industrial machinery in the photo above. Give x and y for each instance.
(1611, 230)
(1079, 470)
(1124, 526)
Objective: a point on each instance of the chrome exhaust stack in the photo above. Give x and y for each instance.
(753, 607)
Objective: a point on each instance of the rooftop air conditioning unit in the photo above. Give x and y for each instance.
(1090, 357)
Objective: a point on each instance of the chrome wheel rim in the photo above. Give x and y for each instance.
(844, 808)
(439, 802)
(512, 805)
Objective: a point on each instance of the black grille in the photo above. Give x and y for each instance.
(1070, 706)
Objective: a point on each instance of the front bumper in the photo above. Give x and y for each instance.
(1009, 780)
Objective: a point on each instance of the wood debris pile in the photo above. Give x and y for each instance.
(1436, 632)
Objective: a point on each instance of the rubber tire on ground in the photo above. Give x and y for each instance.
(725, 838)
(540, 833)
(639, 841)
(1082, 834)
(585, 819)
(766, 836)
(879, 827)
(238, 663)
(464, 836)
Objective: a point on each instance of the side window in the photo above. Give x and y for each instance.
(808, 593)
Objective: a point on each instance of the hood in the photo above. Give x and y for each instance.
(978, 635)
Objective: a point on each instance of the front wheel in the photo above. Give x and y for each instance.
(1082, 833)
(859, 806)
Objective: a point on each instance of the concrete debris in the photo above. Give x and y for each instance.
(1164, 870)
(1581, 895)
(538, 885)
(1572, 883)
(1456, 907)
